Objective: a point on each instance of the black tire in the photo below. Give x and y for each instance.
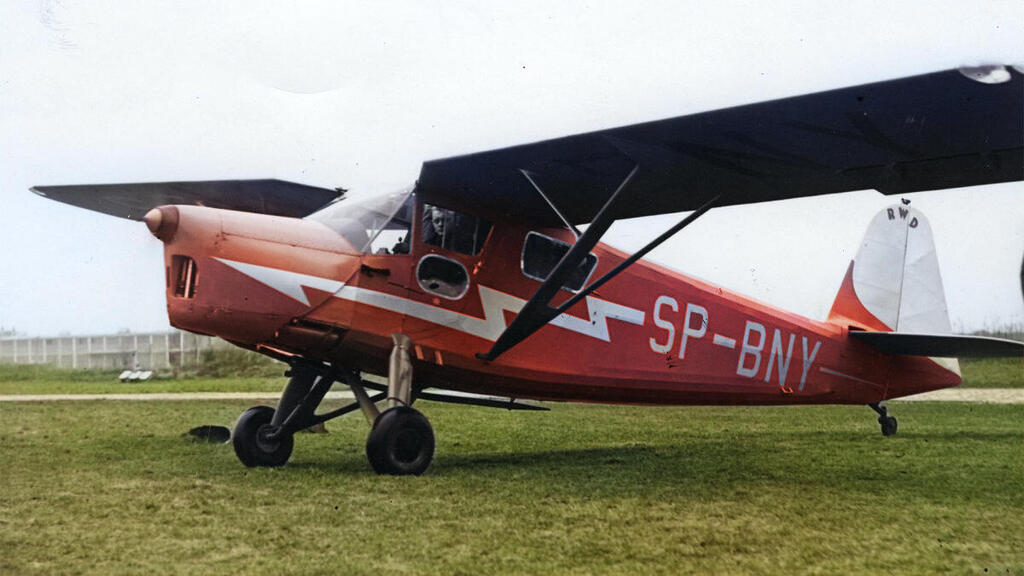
(889, 425)
(401, 443)
(251, 448)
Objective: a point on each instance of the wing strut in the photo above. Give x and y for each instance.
(536, 313)
(640, 254)
(529, 178)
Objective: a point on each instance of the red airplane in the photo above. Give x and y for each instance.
(475, 286)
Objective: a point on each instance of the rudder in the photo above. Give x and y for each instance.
(894, 284)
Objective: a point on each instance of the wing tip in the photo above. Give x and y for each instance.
(991, 73)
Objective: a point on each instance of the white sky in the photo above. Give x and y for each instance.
(358, 95)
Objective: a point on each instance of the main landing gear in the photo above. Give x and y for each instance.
(888, 423)
(401, 440)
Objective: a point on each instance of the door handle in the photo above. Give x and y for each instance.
(372, 271)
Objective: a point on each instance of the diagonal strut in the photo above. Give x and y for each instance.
(536, 312)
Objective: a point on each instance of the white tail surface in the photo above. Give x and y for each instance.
(894, 283)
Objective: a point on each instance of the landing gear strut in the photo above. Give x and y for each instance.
(264, 436)
(888, 423)
(401, 440)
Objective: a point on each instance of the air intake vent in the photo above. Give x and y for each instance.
(183, 270)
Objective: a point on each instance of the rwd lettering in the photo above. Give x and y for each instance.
(903, 213)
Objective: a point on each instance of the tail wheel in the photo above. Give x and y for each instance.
(401, 442)
(251, 444)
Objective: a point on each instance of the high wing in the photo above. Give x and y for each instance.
(935, 131)
(942, 130)
(275, 197)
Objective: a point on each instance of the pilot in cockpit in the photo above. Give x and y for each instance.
(441, 228)
(438, 224)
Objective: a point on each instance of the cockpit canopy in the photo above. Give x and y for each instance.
(382, 224)
(373, 225)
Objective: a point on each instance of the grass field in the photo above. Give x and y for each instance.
(993, 372)
(109, 488)
(22, 379)
(222, 370)
(267, 376)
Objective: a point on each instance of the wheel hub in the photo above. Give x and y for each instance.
(262, 438)
(407, 446)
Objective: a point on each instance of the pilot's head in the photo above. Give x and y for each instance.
(440, 219)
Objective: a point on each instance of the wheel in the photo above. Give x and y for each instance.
(251, 447)
(889, 425)
(401, 442)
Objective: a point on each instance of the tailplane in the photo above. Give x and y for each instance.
(941, 345)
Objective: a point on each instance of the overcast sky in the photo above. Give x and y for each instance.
(358, 95)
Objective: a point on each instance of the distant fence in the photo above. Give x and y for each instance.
(155, 351)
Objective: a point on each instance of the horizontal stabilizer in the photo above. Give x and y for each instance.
(133, 200)
(941, 345)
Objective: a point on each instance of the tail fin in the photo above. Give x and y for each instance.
(893, 284)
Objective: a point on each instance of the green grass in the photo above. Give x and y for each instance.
(259, 374)
(45, 373)
(114, 488)
(222, 370)
(993, 372)
(43, 379)
(237, 362)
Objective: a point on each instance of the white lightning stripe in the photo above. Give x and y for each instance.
(854, 378)
(494, 304)
(285, 282)
(724, 341)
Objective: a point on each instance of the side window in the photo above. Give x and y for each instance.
(442, 276)
(453, 230)
(541, 254)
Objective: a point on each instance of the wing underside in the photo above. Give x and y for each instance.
(935, 131)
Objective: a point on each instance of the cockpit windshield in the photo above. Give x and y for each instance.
(375, 224)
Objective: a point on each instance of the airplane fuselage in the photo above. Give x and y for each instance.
(461, 283)
(650, 336)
